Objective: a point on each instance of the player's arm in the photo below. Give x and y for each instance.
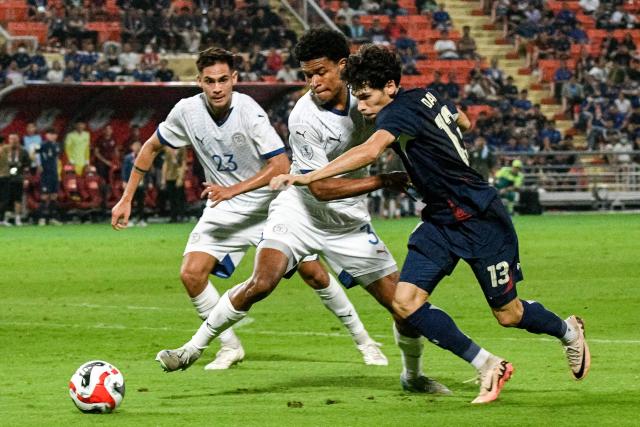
(463, 121)
(274, 166)
(121, 211)
(340, 188)
(356, 158)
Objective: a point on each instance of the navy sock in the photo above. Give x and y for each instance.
(440, 329)
(538, 320)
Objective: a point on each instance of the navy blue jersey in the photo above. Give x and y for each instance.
(429, 143)
(49, 153)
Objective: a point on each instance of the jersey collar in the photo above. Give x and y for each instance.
(223, 120)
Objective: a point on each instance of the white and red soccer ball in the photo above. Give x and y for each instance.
(97, 387)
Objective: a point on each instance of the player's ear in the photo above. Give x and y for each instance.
(199, 80)
(234, 77)
(390, 88)
(341, 64)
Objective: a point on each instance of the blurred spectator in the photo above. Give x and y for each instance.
(437, 84)
(523, 102)
(392, 8)
(347, 12)
(589, 6)
(31, 142)
(445, 47)
(467, 45)
(18, 161)
(274, 61)
(106, 152)
(358, 31)
(495, 73)
(150, 57)
(376, 33)
(341, 23)
(404, 42)
(393, 30)
(174, 168)
(257, 60)
(560, 77)
(286, 74)
(56, 73)
(509, 180)
(76, 147)
(572, 94)
(246, 74)
(14, 75)
(163, 73)
(452, 89)
(441, 19)
(128, 60)
(481, 158)
(49, 156)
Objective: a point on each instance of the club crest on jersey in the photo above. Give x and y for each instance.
(280, 229)
(194, 238)
(306, 151)
(238, 138)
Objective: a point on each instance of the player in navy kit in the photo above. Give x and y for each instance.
(49, 154)
(463, 218)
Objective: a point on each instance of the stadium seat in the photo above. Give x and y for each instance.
(13, 11)
(37, 29)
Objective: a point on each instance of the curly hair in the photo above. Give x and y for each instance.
(212, 55)
(372, 66)
(322, 42)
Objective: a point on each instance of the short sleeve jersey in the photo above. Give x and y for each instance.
(317, 136)
(429, 143)
(230, 151)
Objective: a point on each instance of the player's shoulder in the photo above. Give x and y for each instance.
(245, 103)
(305, 110)
(189, 105)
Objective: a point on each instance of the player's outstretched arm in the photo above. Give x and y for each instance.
(353, 159)
(275, 165)
(122, 210)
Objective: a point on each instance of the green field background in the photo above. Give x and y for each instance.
(76, 293)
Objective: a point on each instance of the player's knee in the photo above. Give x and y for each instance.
(314, 275)
(508, 318)
(403, 307)
(193, 278)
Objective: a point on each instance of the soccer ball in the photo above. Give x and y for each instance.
(97, 387)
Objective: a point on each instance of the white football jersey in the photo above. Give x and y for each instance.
(317, 136)
(230, 151)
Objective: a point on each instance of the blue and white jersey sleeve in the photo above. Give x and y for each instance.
(307, 148)
(264, 136)
(173, 132)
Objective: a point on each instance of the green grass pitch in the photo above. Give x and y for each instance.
(75, 293)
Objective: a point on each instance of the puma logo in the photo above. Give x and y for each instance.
(336, 139)
(382, 251)
(301, 133)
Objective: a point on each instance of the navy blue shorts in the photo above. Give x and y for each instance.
(49, 184)
(487, 242)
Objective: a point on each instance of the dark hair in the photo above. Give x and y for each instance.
(372, 66)
(210, 56)
(322, 42)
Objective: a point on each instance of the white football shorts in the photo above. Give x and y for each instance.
(353, 250)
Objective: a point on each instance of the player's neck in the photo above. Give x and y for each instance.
(219, 114)
(340, 101)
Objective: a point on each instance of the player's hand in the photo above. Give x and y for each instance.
(120, 215)
(217, 193)
(396, 181)
(284, 181)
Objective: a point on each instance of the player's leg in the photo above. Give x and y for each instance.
(407, 338)
(194, 273)
(362, 259)
(420, 275)
(498, 274)
(44, 211)
(270, 266)
(335, 299)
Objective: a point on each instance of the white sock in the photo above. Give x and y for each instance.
(204, 303)
(411, 351)
(335, 299)
(570, 335)
(220, 319)
(481, 358)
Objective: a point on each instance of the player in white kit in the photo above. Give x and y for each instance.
(240, 152)
(323, 124)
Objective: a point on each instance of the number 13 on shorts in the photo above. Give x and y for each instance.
(499, 274)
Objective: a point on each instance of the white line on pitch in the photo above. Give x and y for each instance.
(249, 320)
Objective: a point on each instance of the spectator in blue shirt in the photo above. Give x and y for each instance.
(441, 19)
(523, 103)
(560, 77)
(550, 131)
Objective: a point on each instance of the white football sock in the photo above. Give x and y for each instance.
(570, 335)
(411, 351)
(220, 319)
(335, 299)
(204, 303)
(481, 358)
